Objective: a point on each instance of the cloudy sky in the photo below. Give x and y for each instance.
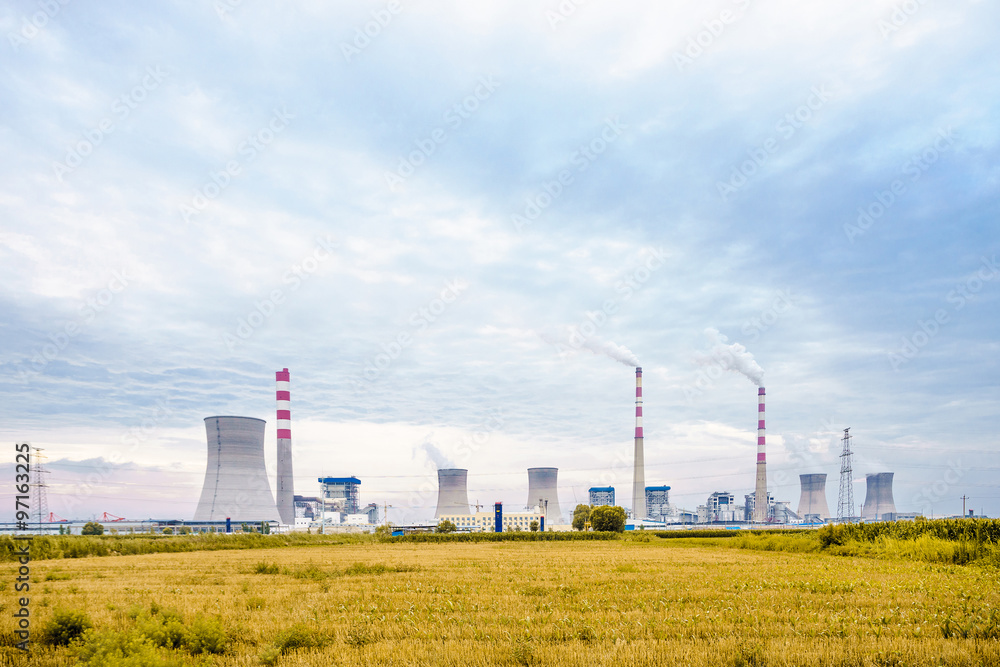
(433, 213)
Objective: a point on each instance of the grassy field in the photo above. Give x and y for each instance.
(623, 602)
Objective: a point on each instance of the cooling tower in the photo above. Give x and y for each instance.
(812, 502)
(542, 488)
(453, 492)
(236, 483)
(760, 491)
(285, 490)
(878, 500)
(639, 470)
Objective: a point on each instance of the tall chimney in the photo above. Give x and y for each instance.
(285, 490)
(760, 493)
(639, 472)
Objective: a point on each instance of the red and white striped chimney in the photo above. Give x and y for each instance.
(285, 490)
(639, 470)
(760, 492)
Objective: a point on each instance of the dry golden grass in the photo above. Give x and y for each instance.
(554, 603)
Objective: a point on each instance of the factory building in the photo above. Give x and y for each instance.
(341, 494)
(307, 507)
(371, 511)
(601, 495)
(484, 521)
(721, 506)
(658, 502)
(749, 502)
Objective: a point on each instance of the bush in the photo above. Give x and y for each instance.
(168, 531)
(92, 528)
(121, 649)
(266, 568)
(65, 626)
(446, 527)
(206, 636)
(298, 636)
(608, 519)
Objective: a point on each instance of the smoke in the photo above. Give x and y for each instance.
(575, 341)
(435, 456)
(731, 357)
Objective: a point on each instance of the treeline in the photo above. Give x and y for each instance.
(80, 546)
(983, 531)
(722, 532)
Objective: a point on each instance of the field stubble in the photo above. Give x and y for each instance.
(566, 603)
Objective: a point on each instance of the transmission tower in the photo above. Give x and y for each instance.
(41, 496)
(845, 503)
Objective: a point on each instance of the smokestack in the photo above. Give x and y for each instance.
(542, 488)
(639, 471)
(760, 492)
(812, 502)
(286, 492)
(235, 483)
(878, 499)
(453, 492)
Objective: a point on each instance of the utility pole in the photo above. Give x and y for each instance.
(845, 502)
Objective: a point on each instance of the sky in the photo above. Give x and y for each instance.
(447, 218)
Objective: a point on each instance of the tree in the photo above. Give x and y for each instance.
(168, 531)
(184, 530)
(92, 528)
(533, 526)
(581, 515)
(446, 526)
(608, 518)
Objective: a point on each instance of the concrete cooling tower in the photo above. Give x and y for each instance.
(236, 485)
(812, 502)
(453, 492)
(542, 483)
(878, 500)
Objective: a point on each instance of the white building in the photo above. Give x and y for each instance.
(484, 521)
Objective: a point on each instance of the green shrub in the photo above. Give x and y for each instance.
(205, 635)
(298, 636)
(92, 528)
(65, 626)
(122, 649)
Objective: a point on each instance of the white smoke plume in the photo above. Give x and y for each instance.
(574, 340)
(440, 461)
(731, 357)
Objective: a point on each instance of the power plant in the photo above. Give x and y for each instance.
(878, 500)
(639, 466)
(812, 502)
(236, 485)
(543, 491)
(285, 484)
(453, 492)
(760, 491)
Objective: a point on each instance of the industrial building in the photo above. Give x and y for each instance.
(485, 521)
(543, 491)
(236, 486)
(341, 494)
(721, 506)
(749, 501)
(812, 502)
(657, 502)
(601, 495)
(307, 507)
(878, 499)
(453, 492)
